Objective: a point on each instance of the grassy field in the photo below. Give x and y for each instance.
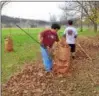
(25, 49)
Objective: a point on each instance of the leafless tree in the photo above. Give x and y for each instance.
(53, 18)
(85, 9)
(91, 10)
(71, 10)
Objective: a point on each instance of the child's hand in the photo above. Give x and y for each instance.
(49, 50)
(42, 45)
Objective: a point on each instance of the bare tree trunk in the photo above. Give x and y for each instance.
(81, 18)
(95, 27)
(95, 15)
(81, 29)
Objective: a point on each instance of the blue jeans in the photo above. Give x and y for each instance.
(47, 61)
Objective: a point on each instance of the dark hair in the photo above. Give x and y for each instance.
(70, 22)
(55, 26)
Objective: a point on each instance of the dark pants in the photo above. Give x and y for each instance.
(72, 46)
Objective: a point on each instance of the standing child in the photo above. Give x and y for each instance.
(70, 34)
(47, 38)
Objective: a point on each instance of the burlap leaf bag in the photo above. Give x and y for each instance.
(8, 44)
(61, 57)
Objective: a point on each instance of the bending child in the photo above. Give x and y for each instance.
(47, 39)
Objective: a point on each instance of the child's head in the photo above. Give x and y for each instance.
(70, 22)
(55, 26)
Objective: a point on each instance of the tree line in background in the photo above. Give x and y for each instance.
(11, 21)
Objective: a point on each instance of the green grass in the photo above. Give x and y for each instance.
(87, 32)
(25, 49)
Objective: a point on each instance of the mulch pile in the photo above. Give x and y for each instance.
(89, 44)
(34, 81)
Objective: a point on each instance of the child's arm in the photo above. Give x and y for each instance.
(40, 37)
(76, 33)
(64, 34)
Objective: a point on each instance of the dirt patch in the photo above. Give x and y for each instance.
(81, 80)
